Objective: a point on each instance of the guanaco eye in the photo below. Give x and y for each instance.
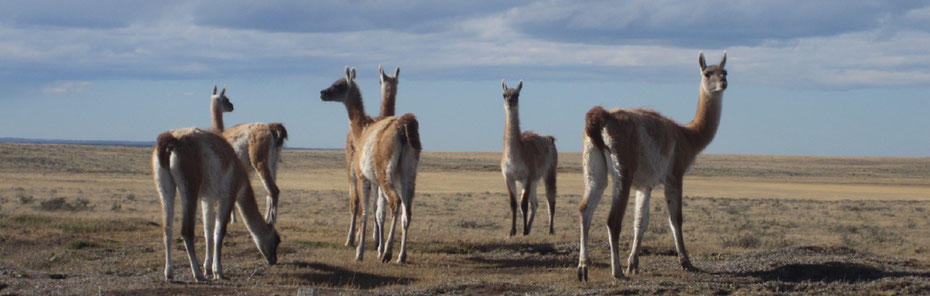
(724, 72)
(707, 74)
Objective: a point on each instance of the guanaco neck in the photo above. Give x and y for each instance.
(356, 109)
(704, 126)
(512, 131)
(254, 221)
(388, 97)
(217, 110)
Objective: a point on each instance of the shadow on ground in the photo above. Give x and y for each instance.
(822, 264)
(830, 272)
(320, 274)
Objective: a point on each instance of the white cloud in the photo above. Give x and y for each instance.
(65, 87)
(174, 46)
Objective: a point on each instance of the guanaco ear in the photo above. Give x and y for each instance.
(504, 84)
(397, 72)
(520, 86)
(381, 70)
(723, 61)
(353, 74)
(348, 74)
(214, 89)
(223, 93)
(701, 60)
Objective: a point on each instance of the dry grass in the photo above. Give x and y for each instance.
(86, 219)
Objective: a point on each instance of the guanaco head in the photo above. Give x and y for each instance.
(221, 100)
(341, 89)
(511, 95)
(269, 248)
(713, 78)
(388, 82)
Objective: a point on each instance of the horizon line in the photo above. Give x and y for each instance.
(120, 143)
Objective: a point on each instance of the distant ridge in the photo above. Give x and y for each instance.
(112, 143)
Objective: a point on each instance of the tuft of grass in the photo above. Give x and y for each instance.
(745, 234)
(878, 234)
(316, 245)
(31, 219)
(746, 240)
(24, 199)
(469, 224)
(84, 228)
(852, 234)
(657, 228)
(62, 204)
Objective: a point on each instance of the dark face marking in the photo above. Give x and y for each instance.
(511, 97)
(715, 78)
(335, 92)
(227, 105)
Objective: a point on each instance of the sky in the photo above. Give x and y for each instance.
(807, 77)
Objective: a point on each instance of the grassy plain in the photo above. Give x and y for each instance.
(86, 220)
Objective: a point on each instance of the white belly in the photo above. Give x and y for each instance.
(653, 166)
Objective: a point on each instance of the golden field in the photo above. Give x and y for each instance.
(86, 220)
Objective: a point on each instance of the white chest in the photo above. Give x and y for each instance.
(512, 166)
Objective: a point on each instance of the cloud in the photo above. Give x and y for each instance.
(65, 87)
(774, 43)
(98, 14)
(853, 60)
(341, 16)
(704, 23)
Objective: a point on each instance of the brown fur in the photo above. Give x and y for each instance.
(390, 133)
(280, 133)
(528, 153)
(219, 103)
(218, 125)
(384, 152)
(632, 132)
(350, 173)
(191, 148)
(261, 139)
(347, 93)
(387, 106)
(405, 130)
(410, 130)
(189, 155)
(163, 145)
(595, 121)
(388, 92)
(356, 126)
(550, 181)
